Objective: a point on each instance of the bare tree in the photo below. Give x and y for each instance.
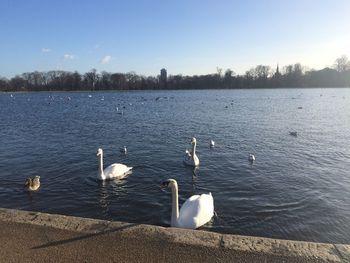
(342, 64)
(262, 71)
(91, 78)
(219, 71)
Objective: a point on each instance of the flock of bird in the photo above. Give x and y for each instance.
(195, 212)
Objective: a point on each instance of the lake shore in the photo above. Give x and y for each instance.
(40, 237)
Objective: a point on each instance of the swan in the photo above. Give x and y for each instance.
(32, 184)
(195, 212)
(212, 143)
(251, 157)
(116, 170)
(191, 158)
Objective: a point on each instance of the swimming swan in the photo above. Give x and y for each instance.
(191, 158)
(116, 170)
(195, 212)
(32, 184)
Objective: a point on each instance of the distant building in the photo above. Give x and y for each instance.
(277, 73)
(277, 78)
(163, 78)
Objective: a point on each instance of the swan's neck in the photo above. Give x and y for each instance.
(194, 149)
(175, 206)
(100, 168)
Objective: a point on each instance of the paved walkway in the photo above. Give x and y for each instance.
(39, 237)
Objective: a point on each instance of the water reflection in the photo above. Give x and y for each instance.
(30, 197)
(286, 171)
(194, 179)
(108, 190)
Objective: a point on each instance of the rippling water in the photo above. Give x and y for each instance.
(298, 187)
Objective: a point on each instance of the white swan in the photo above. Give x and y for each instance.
(212, 143)
(116, 170)
(191, 158)
(195, 212)
(251, 157)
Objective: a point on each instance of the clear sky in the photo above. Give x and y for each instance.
(185, 36)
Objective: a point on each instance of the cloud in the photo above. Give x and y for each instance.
(106, 59)
(45, 50)
(69, 56)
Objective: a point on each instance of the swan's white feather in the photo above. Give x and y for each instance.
(191, 160)
(116, 170)
(196, 211)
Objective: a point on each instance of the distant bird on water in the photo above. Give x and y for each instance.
(123, 150)
(212, 143)
(293, 133)
(251, 157)
(32, 184)
(191, 158)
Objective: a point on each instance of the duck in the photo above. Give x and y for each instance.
(293, 133)
(191, 158)
(251, 157)
(32, 183)
(212, 143)
(194, 213)
(115, 170)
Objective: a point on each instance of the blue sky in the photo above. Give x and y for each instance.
(186, 37)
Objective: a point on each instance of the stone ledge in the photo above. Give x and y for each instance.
(248, 248)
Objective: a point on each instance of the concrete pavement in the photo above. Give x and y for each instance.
(39, 237)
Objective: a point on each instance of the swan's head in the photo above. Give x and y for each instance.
(99, 152)
(169, 183)
(193, 140)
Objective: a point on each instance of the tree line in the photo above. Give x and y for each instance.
(261, 76)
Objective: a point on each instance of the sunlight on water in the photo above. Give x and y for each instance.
(297, 188)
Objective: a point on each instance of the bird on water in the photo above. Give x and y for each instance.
(191, 158)
(195, 212)
(32, 183)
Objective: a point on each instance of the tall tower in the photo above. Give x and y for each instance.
(277, 73)
(163, 78)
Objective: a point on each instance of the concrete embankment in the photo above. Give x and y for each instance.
(39, 237)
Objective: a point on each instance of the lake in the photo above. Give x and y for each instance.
(298, 187)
